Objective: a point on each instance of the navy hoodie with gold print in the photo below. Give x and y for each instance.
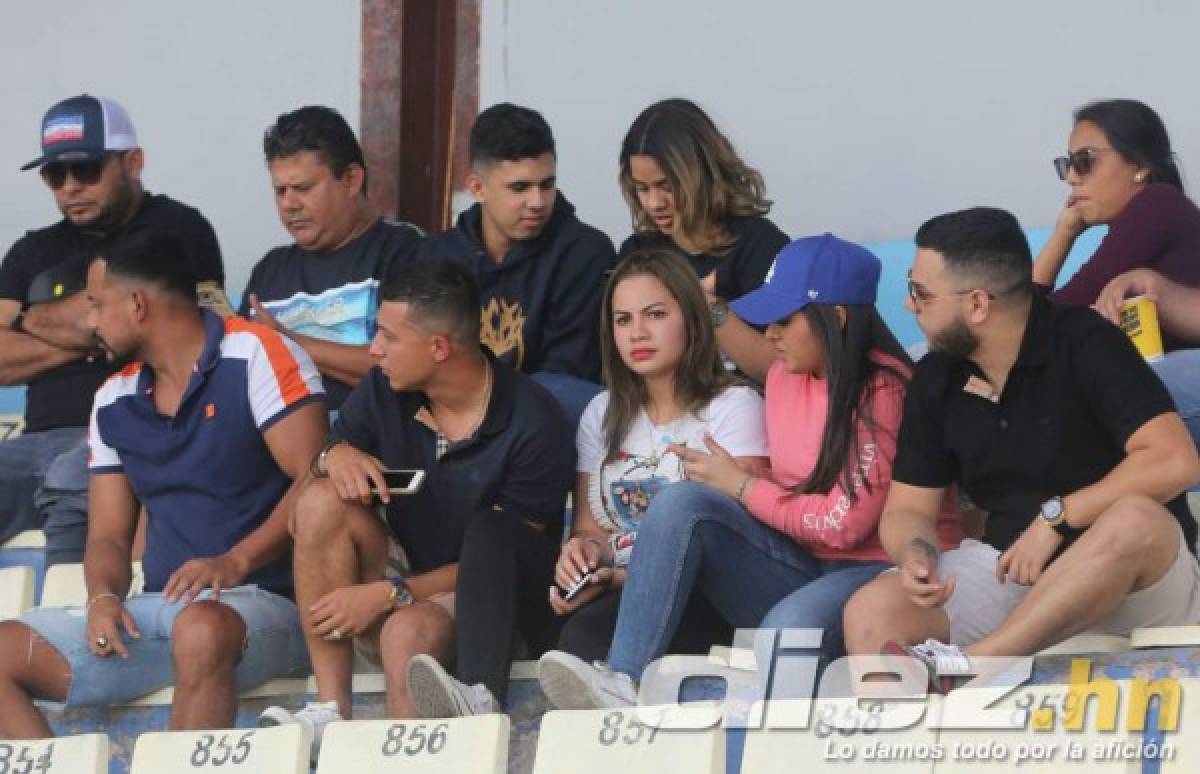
(541, 303)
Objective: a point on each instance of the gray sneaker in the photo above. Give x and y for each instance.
(571, 683)
(315, 716)
(436, 694)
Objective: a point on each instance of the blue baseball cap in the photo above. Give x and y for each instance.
(84, 128)
(812, 270)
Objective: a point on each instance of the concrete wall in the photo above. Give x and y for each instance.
(866, 117)
(201, 81)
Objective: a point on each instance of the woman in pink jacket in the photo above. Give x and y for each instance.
(785, 550)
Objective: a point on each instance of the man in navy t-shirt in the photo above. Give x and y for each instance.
(323, 289)
(205, 428)
(92, 165)
(480, 535)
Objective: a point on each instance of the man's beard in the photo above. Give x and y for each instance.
(956, 340)
(117, 360)
(116, 212)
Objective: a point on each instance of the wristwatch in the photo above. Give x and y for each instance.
(318, 468)
(401, 595)
(719, 312)
(1054, 511)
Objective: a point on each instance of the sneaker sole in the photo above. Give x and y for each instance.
(565, 689)
(429, 689)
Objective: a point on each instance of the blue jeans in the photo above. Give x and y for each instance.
(571, 392)
(1180, 372)
(23, 464)
(274, 645)
(694, 537)
(62, 502)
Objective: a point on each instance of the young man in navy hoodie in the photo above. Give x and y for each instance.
(541, 271)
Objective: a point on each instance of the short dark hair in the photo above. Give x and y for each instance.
(319, 129)
(441, 293)
(155, 257)
(985, 244)
(1137, 133)
(508, 132)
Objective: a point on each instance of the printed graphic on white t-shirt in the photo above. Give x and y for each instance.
(621, 490)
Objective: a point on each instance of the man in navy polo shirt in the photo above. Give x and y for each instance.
(206, 428)
(481, 536)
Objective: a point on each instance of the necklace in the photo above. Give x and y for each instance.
(487, 397)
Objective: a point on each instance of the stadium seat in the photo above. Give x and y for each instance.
(83, 754)
(16, 591)
(1165, 637)
(65, 585)
(1088, 642)
(30, 538)
(630, 741)
(474, 745)
(11, 425)
(842, 734)
(279, 750)
(1052, 737)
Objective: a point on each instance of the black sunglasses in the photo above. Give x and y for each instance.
(83, 172)
(1081, 161)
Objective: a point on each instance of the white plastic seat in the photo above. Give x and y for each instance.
(16, 591)
(82, 754)
(11, 426)
(472, 745)
(850, 729)
(65, 586)
(1088, 642)
(279, 750)
(30, 538)
(1052, 729)
(1165, 637)
(629, 741)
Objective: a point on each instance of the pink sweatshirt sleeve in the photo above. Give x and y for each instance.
(831, 520)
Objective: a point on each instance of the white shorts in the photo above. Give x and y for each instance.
(980, 602)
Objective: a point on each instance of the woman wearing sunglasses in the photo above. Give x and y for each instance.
(666, 385)
(688, 190)
(786, 549)
(1122, 173)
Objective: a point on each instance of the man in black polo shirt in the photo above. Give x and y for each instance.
(541, 271)
(481, 535)
(1053, 424)
(92, 165)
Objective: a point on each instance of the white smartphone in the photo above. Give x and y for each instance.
(402, 482)
(577, 587)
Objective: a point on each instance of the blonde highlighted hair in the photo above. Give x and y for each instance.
(710, 182)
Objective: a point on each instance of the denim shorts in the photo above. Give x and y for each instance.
(274, 645)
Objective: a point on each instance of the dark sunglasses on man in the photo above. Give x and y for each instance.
(83, 172)
(1081, 161)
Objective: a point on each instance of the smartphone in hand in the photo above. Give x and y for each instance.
(402, 482)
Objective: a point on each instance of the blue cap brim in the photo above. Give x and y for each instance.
(765, 306)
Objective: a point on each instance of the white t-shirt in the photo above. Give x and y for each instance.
(619, 492)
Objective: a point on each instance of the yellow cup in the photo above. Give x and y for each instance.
(1139, 320)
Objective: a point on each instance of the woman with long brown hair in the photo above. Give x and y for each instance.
(689, 191)
(667, 389)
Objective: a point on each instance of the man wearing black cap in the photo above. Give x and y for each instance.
(92, 164)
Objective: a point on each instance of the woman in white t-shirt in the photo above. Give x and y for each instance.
(667, 386)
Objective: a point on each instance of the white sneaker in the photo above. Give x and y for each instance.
(571, 683)
(315, 716)
(436, 694)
